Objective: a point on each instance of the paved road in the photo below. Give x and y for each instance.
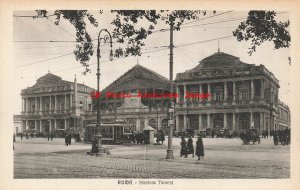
(224, 158)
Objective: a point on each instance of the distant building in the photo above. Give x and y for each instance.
(138, 111)
(17, 124)
(241, 95)
(284, 116)
(54, 105)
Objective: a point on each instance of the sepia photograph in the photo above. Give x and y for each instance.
(151, 94)
(143, 95)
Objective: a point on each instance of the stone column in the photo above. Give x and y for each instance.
(184, 121)
(261, 121)
(26, 124)
(65, 107)
(138, 125)
(233, 122)
(159, 123)
(234, 91)
(225, 91)
(252, 89)
(65, 124)
(262, 89)
(209, 92)
(200, 121)
(225, 121)
(26, 105)
(35, 105)
(177, 91)
(177, 123)
(184, 92)
(50, 106)
(208, 120)
(55, 123)
(41, 103)
(55, 103)
(41, 127)
(50, 125)
(251, 118)
(71, 102)
(200, 92)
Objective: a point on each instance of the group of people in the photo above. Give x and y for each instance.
(282, 136)
(187, 147)
(50, 136)
(26, 135)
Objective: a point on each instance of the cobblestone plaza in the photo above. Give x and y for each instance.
(224, 158)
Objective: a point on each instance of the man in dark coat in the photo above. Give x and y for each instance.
(21, 136)
(67, 140)
(95, 148)
(183, 150)
(190, 146)
(199, 148)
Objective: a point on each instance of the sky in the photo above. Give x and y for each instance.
(34, 59)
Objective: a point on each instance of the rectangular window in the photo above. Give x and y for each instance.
(244, 95)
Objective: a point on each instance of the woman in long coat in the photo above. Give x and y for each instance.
(183, 150)
(199, 148)
(190, 146)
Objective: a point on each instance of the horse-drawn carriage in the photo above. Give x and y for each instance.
(250, 135)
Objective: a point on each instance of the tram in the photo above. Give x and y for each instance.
(116, 132)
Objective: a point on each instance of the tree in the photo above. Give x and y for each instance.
(260, 26)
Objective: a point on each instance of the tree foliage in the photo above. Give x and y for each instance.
(261, 26)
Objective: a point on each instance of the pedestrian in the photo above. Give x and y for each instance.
(190, 146)
(70, 138)
(275, 139)
(199, 147)
(21, 136)
(51, 136)
(48, 136)
(27, 136)
(95, 148)
(14, 138)
(183, 150)
(67, 140)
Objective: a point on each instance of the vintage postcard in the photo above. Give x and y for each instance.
(195, 94)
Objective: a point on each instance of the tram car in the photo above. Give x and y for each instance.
(115, 132)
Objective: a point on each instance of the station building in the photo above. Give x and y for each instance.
(241, 96)
(54, 105)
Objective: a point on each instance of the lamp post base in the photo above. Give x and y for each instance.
(170, 154)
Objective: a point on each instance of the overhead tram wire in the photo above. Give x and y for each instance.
(81, 66)
(182, 45)
(61, 28)
(209, 23)
(207, 17)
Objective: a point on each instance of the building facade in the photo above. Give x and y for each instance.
(139, 111)
(240, 96)
(284, 116)
(54, 105)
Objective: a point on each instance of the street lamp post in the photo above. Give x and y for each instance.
(106, 38)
